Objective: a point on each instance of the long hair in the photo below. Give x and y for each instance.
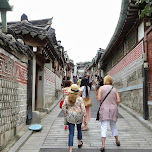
(72, 98)
(67, 83)
(84, 82)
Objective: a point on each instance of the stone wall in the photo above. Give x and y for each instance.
(49, 87)
(58, 86)
(52, 87)
(13, 95)
(127, 75)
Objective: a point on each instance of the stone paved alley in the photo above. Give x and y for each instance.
(133, 135)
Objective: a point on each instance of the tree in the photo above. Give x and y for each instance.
(146, 7)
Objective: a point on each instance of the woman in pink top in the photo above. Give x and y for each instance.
(108, 110)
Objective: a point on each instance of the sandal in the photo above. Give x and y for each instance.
(84, 129)
(118, 143)
(79, 146)
(102, 149)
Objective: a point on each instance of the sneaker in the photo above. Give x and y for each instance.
(66, 127)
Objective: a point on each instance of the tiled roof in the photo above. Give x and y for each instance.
(128, 18)
(34, 31)
(44, 33)
(10, 44)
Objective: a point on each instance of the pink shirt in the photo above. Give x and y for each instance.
(109, 108)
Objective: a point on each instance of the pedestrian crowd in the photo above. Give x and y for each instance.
(77, 103)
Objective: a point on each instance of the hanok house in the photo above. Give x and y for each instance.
(69, 66)
(94, 68)
(46, 66)
(14, 61)
(128, 59)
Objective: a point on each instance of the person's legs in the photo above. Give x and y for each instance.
(88, 119)
(114, 131)
(90, 84)
(104, 127)
(71, 135)
(79, 135)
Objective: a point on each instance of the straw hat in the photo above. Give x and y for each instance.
(74, 88)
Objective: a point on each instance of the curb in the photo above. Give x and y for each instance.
(20, 142)
(146, 123)
(48, 110)
(16, 147)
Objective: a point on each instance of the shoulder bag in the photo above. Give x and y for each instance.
(97, 118)
(87, 101)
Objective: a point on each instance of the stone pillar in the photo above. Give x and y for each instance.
(40, 94)
(33, 85)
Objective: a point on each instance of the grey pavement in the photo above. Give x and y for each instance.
(133, 135)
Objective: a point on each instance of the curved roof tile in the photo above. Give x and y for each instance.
(128, 17)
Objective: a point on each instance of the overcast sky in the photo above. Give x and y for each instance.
(83, 26)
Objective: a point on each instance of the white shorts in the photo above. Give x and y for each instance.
(104, 127)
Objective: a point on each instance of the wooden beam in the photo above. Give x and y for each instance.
(35, 42)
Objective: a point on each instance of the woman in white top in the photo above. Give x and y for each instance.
(85, 91)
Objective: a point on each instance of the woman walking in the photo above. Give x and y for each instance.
(108, 110)
(85, 91)
(65, 92)
(74, 110)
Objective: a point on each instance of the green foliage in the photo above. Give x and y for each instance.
(147, 10)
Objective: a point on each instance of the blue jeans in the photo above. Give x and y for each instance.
(71, 133)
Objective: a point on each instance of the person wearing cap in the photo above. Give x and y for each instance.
(74, 110)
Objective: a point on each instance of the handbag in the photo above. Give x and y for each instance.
(87, 101)
(61, 103)
(97, 118)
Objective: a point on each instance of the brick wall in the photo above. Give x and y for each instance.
(49, 88)
(127, 75)
(58, 83)
(13, 96)
(52, 87)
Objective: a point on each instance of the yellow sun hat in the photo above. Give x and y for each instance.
(74, 88)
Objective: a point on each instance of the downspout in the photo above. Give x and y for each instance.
(29, 92)
(145, 93)
(145, 72)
